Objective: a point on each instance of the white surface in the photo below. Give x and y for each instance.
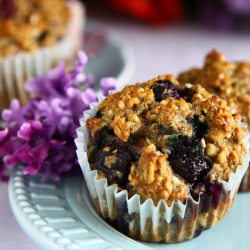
(169, 49)
(173, 49)
(62, 216)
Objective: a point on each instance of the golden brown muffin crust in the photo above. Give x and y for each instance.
(35, 23)
(134, 110)
(228, 80)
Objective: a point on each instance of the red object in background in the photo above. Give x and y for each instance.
(153, 11)
(7, 8)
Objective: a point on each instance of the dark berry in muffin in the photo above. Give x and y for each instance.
(163, 141)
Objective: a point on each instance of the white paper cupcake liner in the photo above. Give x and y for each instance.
(147, 222)
(15, 70)
(245, 183)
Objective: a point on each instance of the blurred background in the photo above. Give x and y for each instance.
(143, 39)
(221, 15)
(169, 36)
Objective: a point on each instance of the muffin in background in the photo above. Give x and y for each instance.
(228, 80)
(162, 162)
(35, 36)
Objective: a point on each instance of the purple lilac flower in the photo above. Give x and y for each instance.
(225, 15)
(107, 84)
(3, 138)
(40, 135)
(240, 7)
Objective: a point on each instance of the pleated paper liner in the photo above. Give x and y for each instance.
(245, 184)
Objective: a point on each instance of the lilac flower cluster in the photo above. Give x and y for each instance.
(40, 135)
(225, 15)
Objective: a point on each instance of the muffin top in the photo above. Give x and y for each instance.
(228, 80)
(163, 141)
(31, 25)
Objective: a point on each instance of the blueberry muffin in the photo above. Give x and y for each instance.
(35, 36)
(33, 24)
(163, 162)
(228, 80)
